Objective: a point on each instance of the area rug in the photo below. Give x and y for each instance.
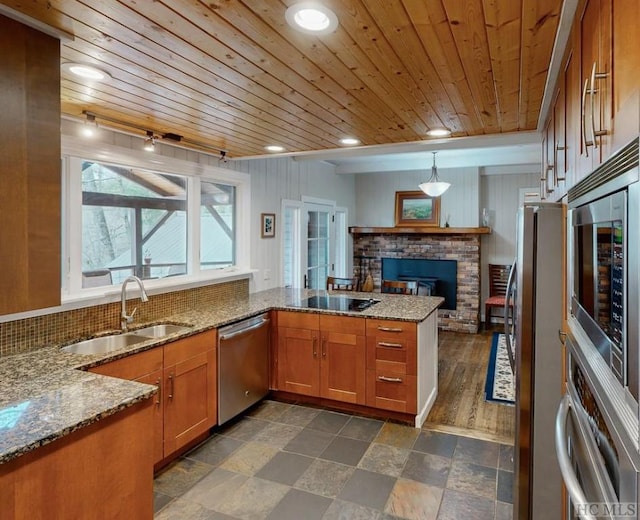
(500, 385)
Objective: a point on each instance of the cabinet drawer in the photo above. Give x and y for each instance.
(298, 320)
(343, 324)
(399, 351)
(390, 390)
(392, 341)
(183, 349)
(391, 330)
(132, 367)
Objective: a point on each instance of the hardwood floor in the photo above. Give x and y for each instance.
(460, 407)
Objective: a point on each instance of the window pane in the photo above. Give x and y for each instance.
(217, 225)
(133, 222)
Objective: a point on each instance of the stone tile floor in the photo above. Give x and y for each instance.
(290, 462)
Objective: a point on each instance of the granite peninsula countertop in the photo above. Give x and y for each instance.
(47, 393)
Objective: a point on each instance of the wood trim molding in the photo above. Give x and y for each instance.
(420, 231)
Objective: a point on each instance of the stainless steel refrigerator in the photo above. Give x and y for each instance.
(535, 290)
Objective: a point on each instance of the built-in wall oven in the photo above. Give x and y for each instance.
(595, 444)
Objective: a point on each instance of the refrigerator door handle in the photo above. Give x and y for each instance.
(564, 460)
(509, 305)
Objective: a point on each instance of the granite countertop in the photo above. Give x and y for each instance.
(46, 394)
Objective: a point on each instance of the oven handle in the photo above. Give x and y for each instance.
(564, 461)
(509, 306)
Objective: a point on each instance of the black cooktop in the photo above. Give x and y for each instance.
(335, 303)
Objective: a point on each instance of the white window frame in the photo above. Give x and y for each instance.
(294, 252)
(75, 150)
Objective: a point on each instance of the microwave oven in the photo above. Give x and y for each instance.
(604, 263)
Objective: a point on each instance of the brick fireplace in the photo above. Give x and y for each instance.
(373, 244)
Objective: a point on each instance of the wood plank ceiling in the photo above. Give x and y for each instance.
(233, 75)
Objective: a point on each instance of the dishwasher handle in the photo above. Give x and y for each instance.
(244, 330)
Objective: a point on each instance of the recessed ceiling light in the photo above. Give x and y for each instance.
(86, 71)
(311, 18)
(439, 132)
(350, 141)
(274, 148)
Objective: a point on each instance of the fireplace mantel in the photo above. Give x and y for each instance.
(355, 230)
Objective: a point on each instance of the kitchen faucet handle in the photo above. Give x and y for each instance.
(130, 317)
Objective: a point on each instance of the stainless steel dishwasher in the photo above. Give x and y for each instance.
(243, 365)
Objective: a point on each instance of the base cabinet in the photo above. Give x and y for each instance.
(190, 390)
(392, 365)
(186, 375)
(102, 471)
(384, 364)
(321, 356)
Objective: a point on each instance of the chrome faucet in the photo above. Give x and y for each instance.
(125, 318)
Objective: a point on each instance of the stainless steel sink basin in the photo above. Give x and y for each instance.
(104, 344)
(159, 331)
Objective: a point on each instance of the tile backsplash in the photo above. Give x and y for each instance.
(31, 333)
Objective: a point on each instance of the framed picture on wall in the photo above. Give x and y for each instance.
(417, 209)
(268, 229)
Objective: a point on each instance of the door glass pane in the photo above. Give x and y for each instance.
(133, 222)
(217, 225)
(317, 249)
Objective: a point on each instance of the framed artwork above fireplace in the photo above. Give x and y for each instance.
(417, 209)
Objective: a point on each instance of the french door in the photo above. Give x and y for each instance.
(314, 243)
(319, 246)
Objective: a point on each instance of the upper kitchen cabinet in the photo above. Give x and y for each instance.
(29, 169)
(626, 62)
(596, 108)
(610, 58)
(596, 73)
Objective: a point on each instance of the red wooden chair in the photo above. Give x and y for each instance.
(498, 278)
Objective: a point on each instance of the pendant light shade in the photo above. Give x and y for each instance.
(434, 187)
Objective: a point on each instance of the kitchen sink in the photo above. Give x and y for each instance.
(158, 331)
(104, 344)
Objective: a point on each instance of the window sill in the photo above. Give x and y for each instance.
(111, 294)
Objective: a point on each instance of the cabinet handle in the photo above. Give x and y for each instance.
(584, 118)
(555, 171)
(390, 379)
(170, 386)
(315, 347)
(324, 347)
(390, 329)
(392, 345)
(159, 385)
(594, 76)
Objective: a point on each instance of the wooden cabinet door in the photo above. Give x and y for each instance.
(189, 400)
(572, 115)
(29, 168)
(144, 367)
(343, 359)
(626, 63)
(298, 361)
(596, 81)
(189, 391)
(155, 378)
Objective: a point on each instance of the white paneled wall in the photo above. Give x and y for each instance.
(375, 196)
(284, 178)
(271, 181)
(499, 194)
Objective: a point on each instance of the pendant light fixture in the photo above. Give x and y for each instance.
(434, 187)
